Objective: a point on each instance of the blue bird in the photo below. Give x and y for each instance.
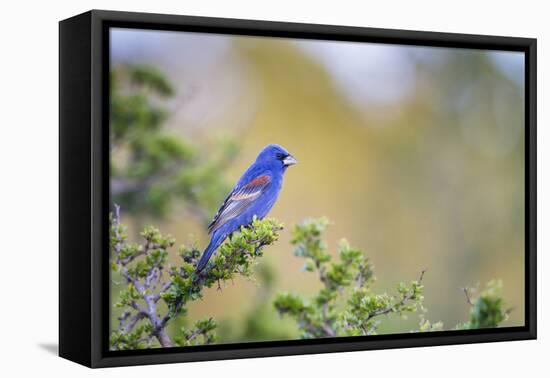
(253, 196)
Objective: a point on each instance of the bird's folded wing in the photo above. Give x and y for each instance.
(239, 200)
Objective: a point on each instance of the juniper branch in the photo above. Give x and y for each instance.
(143, 267)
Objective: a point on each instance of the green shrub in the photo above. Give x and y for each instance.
(157, 292)
(346, 305)
(151, 280)
(152, 169)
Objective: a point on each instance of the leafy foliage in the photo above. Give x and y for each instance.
(152, 281)
(487, 310)
(150, 168)
(202, 333)
(346, 304)
(325, 315)
(157, 292)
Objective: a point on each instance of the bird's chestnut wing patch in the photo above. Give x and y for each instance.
(239, 200)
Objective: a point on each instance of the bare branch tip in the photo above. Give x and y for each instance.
(467, 294)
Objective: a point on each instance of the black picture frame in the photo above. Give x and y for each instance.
(84, 192)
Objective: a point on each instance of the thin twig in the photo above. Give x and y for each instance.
(200, 279)
(405, 299)
(467, 294)
(151, 309)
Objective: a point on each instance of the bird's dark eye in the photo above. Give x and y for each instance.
(280, 156)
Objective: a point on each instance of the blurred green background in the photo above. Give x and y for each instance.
(415, 153)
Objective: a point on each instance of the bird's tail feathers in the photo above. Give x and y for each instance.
(212, 246)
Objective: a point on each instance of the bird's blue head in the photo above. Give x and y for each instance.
(276, 156)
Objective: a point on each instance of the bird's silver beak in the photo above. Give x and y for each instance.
(289, 160)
